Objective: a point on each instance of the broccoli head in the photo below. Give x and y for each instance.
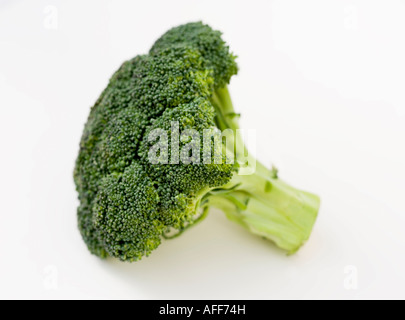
(128, 202)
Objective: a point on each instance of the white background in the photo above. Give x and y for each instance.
(323, 84)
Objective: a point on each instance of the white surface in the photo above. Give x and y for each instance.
(322, 82)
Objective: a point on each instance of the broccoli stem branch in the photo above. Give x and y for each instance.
(226, 117)
(261, 202)
(269, 208)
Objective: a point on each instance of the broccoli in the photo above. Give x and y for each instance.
(128, 204)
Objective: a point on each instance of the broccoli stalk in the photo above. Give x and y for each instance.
(261, 202)
(268, 207)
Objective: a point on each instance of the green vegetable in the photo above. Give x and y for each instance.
(129, 204)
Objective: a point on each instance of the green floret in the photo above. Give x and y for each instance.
(183, 184)
(199, 116)
(208, 42)
(134, 191)
(120, 140)
(126, 214)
